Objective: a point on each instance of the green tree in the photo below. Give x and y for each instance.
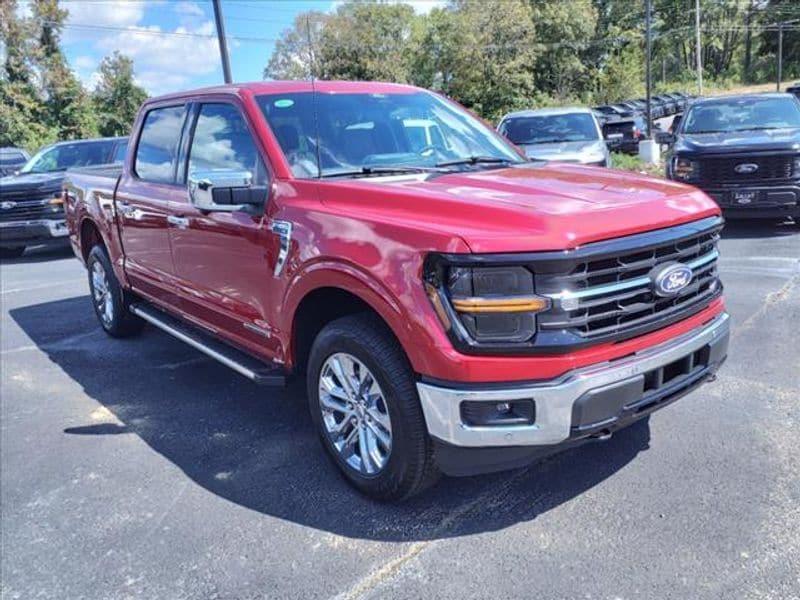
(564, 29)
(117, 97)
(369, 41)
(293, 57)
(68, 106)
(495, 67)
(22, 112)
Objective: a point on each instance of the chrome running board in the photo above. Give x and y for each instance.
(244, 364)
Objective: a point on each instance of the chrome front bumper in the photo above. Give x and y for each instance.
(554, 400)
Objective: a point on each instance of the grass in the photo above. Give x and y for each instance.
(631, 162)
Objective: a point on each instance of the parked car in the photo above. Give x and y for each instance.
(612, 111)
(670, 105)
(681, 100)
(795, 89)
(452, 308)
(558, 134)
(11, 160)
(624, 134)
(31, 211)
(744, 151)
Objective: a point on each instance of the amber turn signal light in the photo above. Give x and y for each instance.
(501, 305)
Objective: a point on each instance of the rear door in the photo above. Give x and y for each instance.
(221, 258)
(148, 185)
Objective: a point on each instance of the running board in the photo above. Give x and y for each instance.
(244, 364)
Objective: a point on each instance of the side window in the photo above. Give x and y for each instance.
(222, 141)
(119, 152)
(157, 152)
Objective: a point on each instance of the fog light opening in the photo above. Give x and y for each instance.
(491, 414)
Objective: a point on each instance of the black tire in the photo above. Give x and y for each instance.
(121, 322)
(410, 467)
(15, 252)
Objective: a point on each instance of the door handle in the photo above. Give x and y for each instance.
(179, 222)
(129, 212)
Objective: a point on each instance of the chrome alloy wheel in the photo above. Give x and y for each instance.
(355, 414)
(102, 294)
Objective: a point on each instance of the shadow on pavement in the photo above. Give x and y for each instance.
(40, 254)
(255, 446)
(759, 228)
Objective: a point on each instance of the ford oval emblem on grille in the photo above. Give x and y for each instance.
(670, 279)
(746, 168)
(7, 205)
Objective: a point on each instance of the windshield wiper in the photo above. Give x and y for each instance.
(474, 160)
(382, 170)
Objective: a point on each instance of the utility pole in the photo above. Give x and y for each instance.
(698, 49)
(649, 83)
(780, 54)
(223, 46)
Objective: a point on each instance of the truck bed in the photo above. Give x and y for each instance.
(110, 171)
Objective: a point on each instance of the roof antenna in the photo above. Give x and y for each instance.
(312, 72)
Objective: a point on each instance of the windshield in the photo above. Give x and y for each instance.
(68, 156)
(743, 114)
(358, 132)
(576, 127)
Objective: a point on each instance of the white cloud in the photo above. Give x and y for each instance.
(163, 60)
(109, 13)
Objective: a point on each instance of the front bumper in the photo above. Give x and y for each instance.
(767, 201)
(588, 402)
(29, 233)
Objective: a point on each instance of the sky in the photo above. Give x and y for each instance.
(173, 42)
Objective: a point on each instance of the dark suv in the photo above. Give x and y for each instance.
(744, 151)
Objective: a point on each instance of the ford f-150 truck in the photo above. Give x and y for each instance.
(744, 151)
(31, 213)
(451, 306)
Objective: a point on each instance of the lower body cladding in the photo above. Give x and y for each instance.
(18, 234)
(757, 201)
(481, 429)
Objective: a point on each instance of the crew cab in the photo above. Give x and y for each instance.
(31, 213)
(451, 306)
(744, 151)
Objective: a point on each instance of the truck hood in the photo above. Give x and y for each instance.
(742, 141)
(552, 207)
(31, 182)
(567, 151)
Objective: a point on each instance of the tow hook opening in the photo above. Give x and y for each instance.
(603, 435)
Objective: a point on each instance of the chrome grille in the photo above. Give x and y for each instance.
(28, 210)
(612, 295)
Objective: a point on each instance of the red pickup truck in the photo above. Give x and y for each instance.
(452, 306)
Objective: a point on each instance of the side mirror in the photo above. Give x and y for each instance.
(225, 190)
(665, 138)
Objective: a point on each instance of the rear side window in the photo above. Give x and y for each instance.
(222, 141)
(157, 152)
(119, 153)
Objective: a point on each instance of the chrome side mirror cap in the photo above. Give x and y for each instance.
(225, 190)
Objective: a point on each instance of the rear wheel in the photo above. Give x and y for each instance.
(15, 252)
(364, 402)
(108, 297)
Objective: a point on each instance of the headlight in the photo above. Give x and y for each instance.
(486, 305)
(683, 168)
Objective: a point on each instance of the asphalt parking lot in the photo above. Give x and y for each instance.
(139, 468)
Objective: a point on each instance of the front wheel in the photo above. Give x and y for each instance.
(108, 297)
(364, 403)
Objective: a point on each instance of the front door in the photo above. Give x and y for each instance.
(142, 204)
(221, 258)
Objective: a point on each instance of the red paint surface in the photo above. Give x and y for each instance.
(370, 237)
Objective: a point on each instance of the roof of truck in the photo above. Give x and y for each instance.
(285, 87)
(549, 112)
